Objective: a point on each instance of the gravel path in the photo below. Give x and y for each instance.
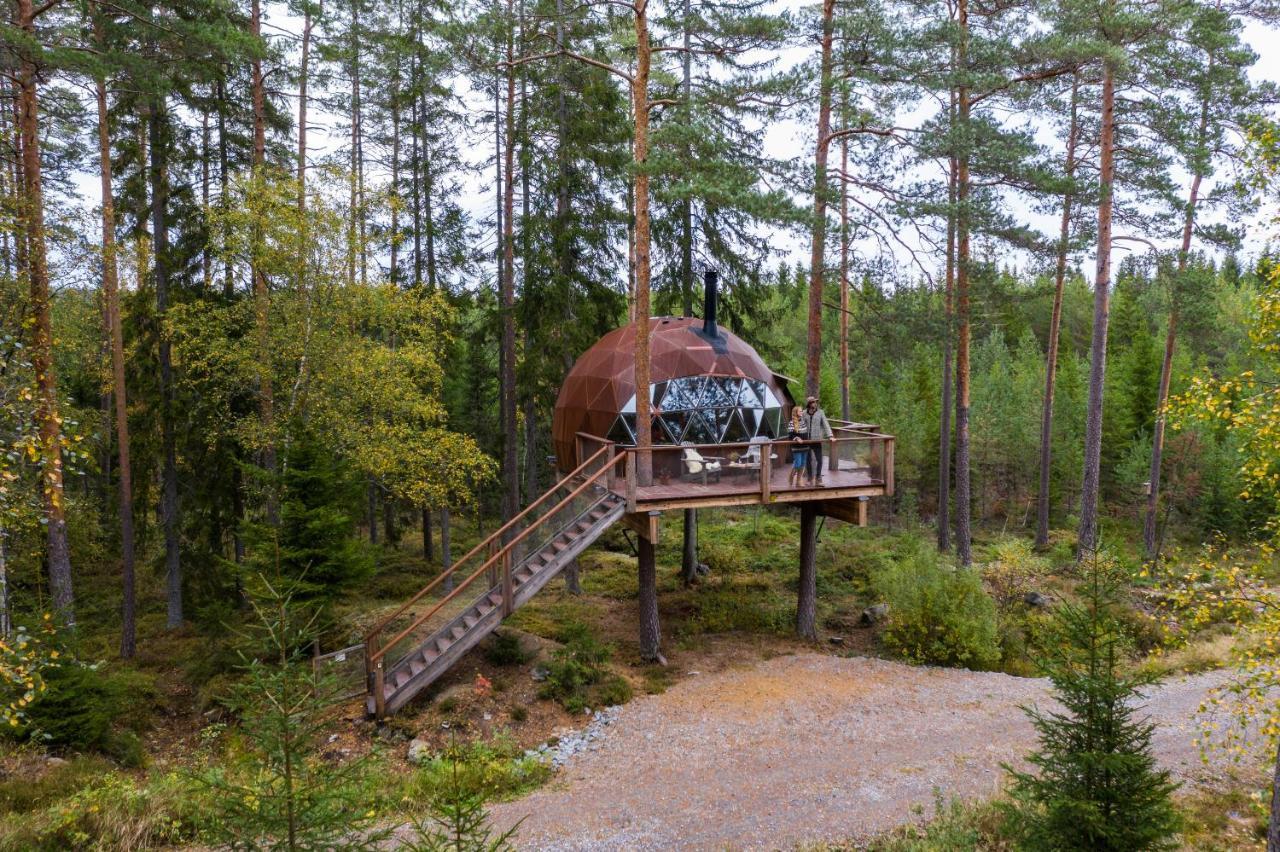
(804, 748)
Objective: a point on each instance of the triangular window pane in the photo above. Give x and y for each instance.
(750, 420)
(675, 422)
(699, 430)
(620, 434)
(736, 432)
(750, 395)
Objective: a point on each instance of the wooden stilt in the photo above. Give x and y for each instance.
(650, 636)
(807, 597)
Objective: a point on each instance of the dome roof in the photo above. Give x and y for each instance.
(599, 392)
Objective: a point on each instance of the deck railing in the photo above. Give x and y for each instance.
(750, 470)
(485, 568)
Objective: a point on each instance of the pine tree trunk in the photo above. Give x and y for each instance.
(47, 418)
(650, 634)
(224, 180)
(261, 292)
(817, 257)
(206, 158)
(304, 72)
(1273, 824)
(807, 596)
(1088, 535)
(689, 552)
(1055, 329)
(640, 99)
(948, 331)
(428, 546)
(964, 501)
(391, 536)
(573, 577)
(844, 266)
(507, 299)
(686, 203)
(371, 497)
(111, 289)
(1150, 540)
(446, 550)
(169, 509)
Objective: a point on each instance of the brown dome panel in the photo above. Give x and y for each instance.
(603, 379)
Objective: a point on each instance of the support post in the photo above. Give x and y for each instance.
(379, 689)
(631, 481)
(807, 597)
(650, 636)
(689, 554)
(508, 590)
(766, 473)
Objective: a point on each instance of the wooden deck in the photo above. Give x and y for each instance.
(743, 488)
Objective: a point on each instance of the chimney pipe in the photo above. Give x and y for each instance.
(710, 297)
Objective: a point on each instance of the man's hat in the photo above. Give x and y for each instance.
(810, 399)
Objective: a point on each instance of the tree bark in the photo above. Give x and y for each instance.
(261, 291)
(224, 180)
(640, 99)
(507, 299)
(1150, 539)
(428, 546)
(689, 552)
(169, 508)
(686, 203)
(807, 596)
(47, 417)
(650, 634)
(446, 550)
(1273, 824)
(948, 332)
(1088, 533)
(964, 501)
(1055, 328)
(844, 266)
(817, 257)
(303, 78)
(111, 289)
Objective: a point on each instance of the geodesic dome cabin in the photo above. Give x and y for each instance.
(707, 386)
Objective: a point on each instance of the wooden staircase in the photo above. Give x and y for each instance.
(515, 563)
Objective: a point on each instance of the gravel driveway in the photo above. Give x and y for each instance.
(804, 748)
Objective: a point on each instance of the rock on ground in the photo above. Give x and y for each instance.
(801, 749)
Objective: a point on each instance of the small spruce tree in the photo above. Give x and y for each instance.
(1097, 787)
(275, 790)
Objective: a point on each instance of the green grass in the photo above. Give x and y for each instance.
(496, 769)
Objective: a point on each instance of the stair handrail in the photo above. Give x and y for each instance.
(377, 629)
(376, 651)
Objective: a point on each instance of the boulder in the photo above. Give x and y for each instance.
(419, 751)
(1035, 600)
(874, 615)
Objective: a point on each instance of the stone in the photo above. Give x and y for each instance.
(419, 751)
(702, 569)
(836, 640)
(539, 673)
(1035, 600)
(874, 615)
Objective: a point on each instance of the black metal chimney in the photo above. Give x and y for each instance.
(710, 296)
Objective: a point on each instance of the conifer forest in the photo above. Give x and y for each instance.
(331, 517)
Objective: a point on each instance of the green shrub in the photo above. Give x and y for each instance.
(81, 704)
(495, 770)
(1012, 571)
(113, 812)
(30, 790)
(576, 674)
(937, 614)
(503, 649)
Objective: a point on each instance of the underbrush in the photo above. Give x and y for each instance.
(577, 674)
(496, 770)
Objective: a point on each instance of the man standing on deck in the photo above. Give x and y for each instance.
(816, 429)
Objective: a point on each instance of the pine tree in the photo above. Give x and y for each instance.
(1097, 786)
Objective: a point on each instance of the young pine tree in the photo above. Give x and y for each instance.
(1097, 787)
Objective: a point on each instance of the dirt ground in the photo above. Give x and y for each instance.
(807, 748)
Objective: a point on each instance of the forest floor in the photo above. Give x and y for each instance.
(811, 748)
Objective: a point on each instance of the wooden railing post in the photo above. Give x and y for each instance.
(888, 466)
(379, 689)
(834, 463)
(370, 648)
(508, 592)
(766, 471)
(631, 481)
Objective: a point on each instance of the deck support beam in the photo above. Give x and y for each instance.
(807, 596)
(689, 557)
(650, 635)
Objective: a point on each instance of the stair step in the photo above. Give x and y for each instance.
(402, 677)
(416, 667)
(469, 621)
(458, 632)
